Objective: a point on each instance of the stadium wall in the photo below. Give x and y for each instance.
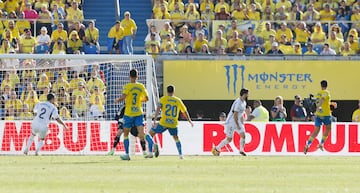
(96, 138)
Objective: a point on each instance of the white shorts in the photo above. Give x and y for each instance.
(231, 128)
(40, 129)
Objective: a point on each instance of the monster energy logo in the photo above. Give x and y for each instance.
(234, 68)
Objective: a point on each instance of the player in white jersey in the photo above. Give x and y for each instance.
(44, 112)
(234, 122)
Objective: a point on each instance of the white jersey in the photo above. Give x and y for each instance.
(44, 111)
(237, 106)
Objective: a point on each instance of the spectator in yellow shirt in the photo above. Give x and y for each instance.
(334, 42)
(25, 114)
(354, 44)
(268, 43)
(32, 100)
(14, 31)
(10, 114)
(22, 23)
(179, 3)
(74, 14)
(207, 15)
(285, 4)
(318, 37)
(80, 90)
(199, 42)
(356, 114)
(11, 5)
(43, 96)
(267, 14)
(163, 13)
(166, 30)
(177, 14)
(74, 44)
(311, 14)
(92, 35)
(165, 43)
(285, 45)
(265, 34)
(297, 49)
(59, 33)
(14, 102)
(234, 43)
(222, 3)
(43, 82)
(6, 81)
(355, 17)
(80, 107)
(192, 13)
(239, 13)
(346, 50)
(95, 94)
(65, 113)
(253, 14)
(115, 38)
(282, 15)
(130, 28)
(270, 4)
(60, 83)
(218, 41)
(302, 33)
(75, 81)
(336, 28)
(27, 43)
(327, 15)
(181, 46)
(234, 27)
(206, 4)
(284, 30)
(95, 81)
(59, 47)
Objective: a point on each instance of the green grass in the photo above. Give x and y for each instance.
(168, 174)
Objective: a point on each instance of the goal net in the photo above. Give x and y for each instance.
(85, 87)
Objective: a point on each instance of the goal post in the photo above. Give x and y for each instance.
(103, 77)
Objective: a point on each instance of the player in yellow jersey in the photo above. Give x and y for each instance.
(134, 93)
(170, 107)
(322, 116)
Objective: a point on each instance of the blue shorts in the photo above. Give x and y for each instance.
(319, 120)
(161, 129)
(133, 121)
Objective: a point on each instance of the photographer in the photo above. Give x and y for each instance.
(298, 112)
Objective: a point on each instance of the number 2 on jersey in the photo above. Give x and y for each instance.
(173, 110)
(43, 111)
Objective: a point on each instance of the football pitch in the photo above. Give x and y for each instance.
(199, 174)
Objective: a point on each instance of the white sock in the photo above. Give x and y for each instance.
(242, 144)
(39, 145)
(222, 144)
(31, 139)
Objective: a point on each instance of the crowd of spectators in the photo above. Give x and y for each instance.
(80, 92)
(43, 26)
(310, 27)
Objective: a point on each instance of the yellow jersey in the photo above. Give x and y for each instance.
(129, 26)
(56, 34)
(170, 108)
(325, 106)
(356, 115)
(134, 92)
